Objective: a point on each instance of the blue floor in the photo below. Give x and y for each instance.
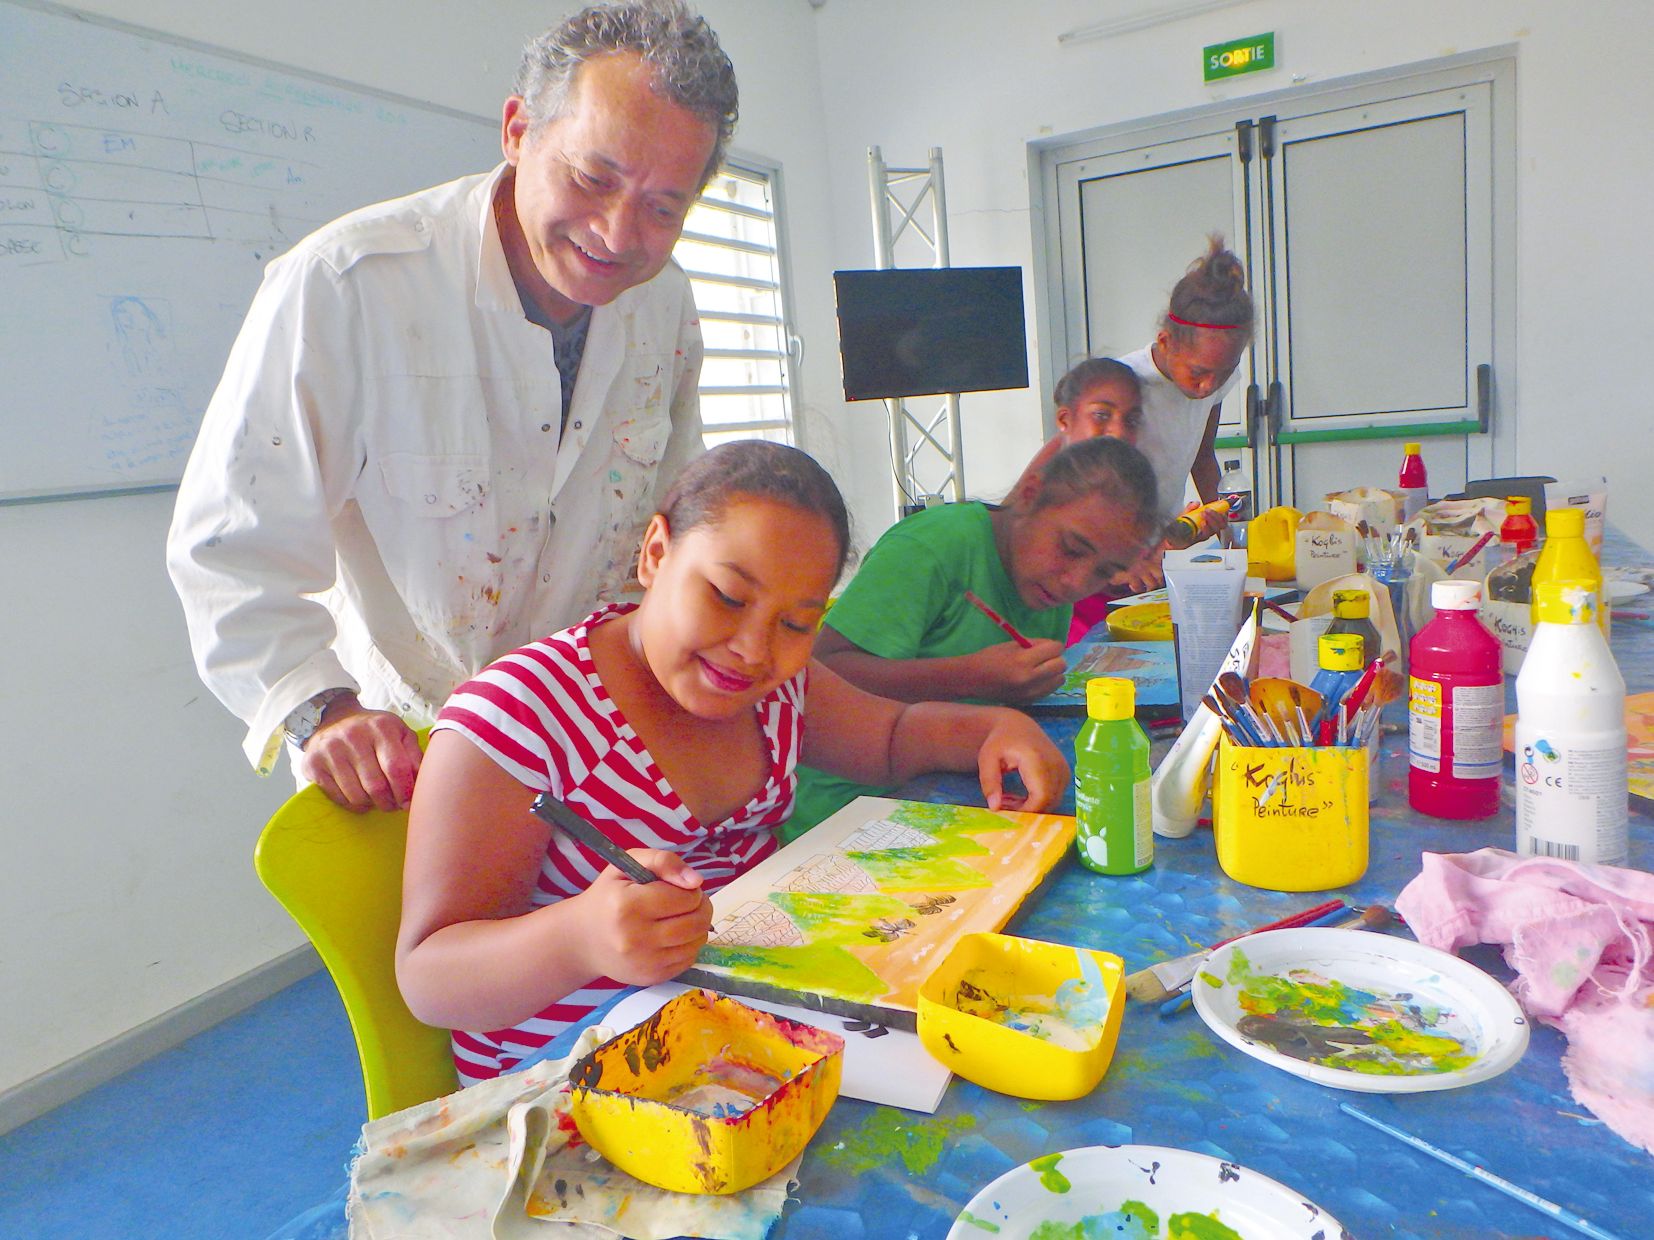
(228, 1136)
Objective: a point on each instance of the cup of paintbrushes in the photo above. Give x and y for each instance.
(1291, 817)
(1227, 699)
(1288, 705)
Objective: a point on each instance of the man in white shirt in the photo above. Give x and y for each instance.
(446, 418)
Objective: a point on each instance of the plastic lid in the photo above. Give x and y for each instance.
(1351, 604)
(1108, 698)
(1340, 652)
(1452, 595)
(1565, 522)
(1411, 449)
(1565, 602)
(1518, 506)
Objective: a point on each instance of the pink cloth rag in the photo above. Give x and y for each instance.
(1581, 939)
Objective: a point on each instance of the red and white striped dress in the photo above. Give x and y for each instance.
(543, 715)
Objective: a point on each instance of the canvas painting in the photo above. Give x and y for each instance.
(1639, 727)
(1150, 666)
(850, 917)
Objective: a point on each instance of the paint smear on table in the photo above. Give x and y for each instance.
(889, 1136)
(1321, 1020)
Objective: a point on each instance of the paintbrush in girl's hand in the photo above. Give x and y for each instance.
(1001, 621)
(548, 809)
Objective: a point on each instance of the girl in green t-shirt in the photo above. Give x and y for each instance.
(904, 627)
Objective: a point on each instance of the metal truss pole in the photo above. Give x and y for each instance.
(919, 448)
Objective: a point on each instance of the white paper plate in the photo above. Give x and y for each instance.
(1091, 1185)
(1622, 591)
(1362, 1011)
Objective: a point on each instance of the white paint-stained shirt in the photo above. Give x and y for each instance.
(1173, 426)
(382, 497)
(543, 715)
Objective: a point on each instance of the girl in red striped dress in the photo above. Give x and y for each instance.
(673, 726)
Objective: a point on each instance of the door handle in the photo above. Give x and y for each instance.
(1254, 399)
(1484, 397)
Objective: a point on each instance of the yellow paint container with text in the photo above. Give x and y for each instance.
(1291, 819)
(1037, 1020)
(708, 1095)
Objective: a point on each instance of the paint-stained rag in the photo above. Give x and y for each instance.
(500, 1160)
(1581, 939)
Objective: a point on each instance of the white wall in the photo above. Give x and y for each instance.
(128, 817)
(127, 813)
(982, 79)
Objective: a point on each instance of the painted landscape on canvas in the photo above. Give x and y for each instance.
(854, 914)
(1150, 666)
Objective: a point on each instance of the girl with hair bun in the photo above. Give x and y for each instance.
(1185, 373)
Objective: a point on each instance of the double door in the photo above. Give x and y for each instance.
(1366, 221)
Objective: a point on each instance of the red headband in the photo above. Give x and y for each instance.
(1217, 327)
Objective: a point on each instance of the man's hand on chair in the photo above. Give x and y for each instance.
(362, 759)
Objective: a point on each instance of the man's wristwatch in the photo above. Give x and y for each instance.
(303, 720)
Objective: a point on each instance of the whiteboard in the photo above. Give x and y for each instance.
(145, 181)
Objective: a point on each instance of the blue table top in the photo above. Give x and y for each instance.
(876, 1172)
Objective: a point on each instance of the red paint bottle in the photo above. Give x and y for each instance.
(1519, 531)
(1412, 481)
(1455, 709)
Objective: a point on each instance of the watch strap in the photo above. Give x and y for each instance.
(303, 720)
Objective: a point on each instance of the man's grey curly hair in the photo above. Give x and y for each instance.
(690, 68)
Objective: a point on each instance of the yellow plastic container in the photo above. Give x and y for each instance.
(1141, 622)
(1023, 1017)
(708, 1095)
(1272, 544)
(1291, 819)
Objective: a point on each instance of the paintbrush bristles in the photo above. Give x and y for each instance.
(1149, 984)
(1145, 986)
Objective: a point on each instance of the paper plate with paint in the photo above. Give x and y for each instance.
(1360, 1011)
(1140, 1192)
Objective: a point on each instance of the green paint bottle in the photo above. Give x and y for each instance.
(1114, 832)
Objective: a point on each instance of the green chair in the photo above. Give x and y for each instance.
(339, 875)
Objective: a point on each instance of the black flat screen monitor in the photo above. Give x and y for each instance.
(920, 331)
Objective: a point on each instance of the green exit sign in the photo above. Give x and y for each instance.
(1249, 55)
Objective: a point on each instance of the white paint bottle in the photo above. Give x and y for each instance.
(1571, 797)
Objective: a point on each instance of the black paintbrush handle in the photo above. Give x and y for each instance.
(550, 810)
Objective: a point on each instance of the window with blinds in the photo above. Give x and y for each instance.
(730, 251)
